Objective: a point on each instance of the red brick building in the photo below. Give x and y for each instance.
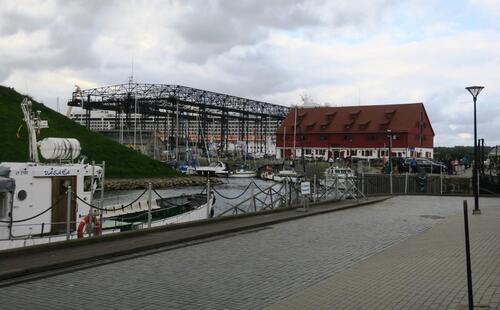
(358, 131)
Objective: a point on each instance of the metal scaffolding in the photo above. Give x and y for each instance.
(179, 103)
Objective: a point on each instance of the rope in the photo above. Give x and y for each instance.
(166, 201)
(112, 209)
(35, 216)
(231, 198)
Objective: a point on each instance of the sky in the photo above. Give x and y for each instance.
(336, 53)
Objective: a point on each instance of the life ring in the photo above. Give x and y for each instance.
(84, 222)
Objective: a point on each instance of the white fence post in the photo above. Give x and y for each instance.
(68, 213)
(150, 187)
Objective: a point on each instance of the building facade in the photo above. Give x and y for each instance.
(367, 132)
(137, 129)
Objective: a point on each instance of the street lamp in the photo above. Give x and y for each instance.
(474, 91)
(389, 135)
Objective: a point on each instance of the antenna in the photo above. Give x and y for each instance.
(131, 77)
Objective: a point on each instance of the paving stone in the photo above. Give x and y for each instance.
(379, 256)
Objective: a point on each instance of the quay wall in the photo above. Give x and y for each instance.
(127, 184)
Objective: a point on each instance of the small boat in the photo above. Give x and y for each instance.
(243, 172)
(339, 175)
(169, 210)
(187, 169)
(215, 168)
(284, 174)
(267, 175)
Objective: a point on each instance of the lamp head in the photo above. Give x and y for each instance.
(474, 90)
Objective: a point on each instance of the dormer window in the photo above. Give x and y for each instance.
(364, 125)
(330, 115)
(310, 126)
(389, 113)
(354, 114)
(324, 125)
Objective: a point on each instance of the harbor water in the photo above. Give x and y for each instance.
(230, 188)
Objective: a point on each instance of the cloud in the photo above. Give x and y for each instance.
(343, 53)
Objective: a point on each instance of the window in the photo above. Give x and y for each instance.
(21, 195)
(322, 138)
(87, 183)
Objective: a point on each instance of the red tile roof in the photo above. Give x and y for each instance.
(370, 118)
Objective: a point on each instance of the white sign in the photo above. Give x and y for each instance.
(305, 188)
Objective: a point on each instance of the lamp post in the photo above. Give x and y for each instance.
(389, 135)
(474, 91)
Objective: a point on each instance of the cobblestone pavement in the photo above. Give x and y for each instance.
(424, 272)
(260, 267)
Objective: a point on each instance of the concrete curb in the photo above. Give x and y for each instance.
(135, 247)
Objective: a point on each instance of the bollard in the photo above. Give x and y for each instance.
(150, 187)
(68, 213)
(467, 256)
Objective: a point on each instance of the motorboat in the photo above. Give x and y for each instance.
(336, 176)
(49, 202)
(286, 174)
(243, 172)
(168, 210)
(267, 175)
(187, 169)
(45, 201)
(215, 168)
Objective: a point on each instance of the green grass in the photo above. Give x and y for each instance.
(121, 162)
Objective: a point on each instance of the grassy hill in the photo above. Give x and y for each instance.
(121, 162)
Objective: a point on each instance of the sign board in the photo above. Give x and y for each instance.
(305, 188)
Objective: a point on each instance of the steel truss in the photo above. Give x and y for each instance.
(165, 101)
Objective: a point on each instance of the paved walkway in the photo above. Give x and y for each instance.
(41, 258)
(275, 265)
(424, 272)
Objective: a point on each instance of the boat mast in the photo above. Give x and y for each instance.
(33, 124)
(177, 133)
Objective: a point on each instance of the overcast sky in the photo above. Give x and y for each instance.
(336, 52)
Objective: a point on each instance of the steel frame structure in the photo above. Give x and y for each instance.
(163, 101)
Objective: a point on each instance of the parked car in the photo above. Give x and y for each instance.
(426, 164)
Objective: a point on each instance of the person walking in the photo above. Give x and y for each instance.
(413, 165)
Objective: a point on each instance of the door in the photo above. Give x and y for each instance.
(59, 198)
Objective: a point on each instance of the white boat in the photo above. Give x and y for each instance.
(169, 210)
(267, 175)
(215, 168)
(37, 209)
(37, 205)
(243, 172)
(284, 174)
(338, 176)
